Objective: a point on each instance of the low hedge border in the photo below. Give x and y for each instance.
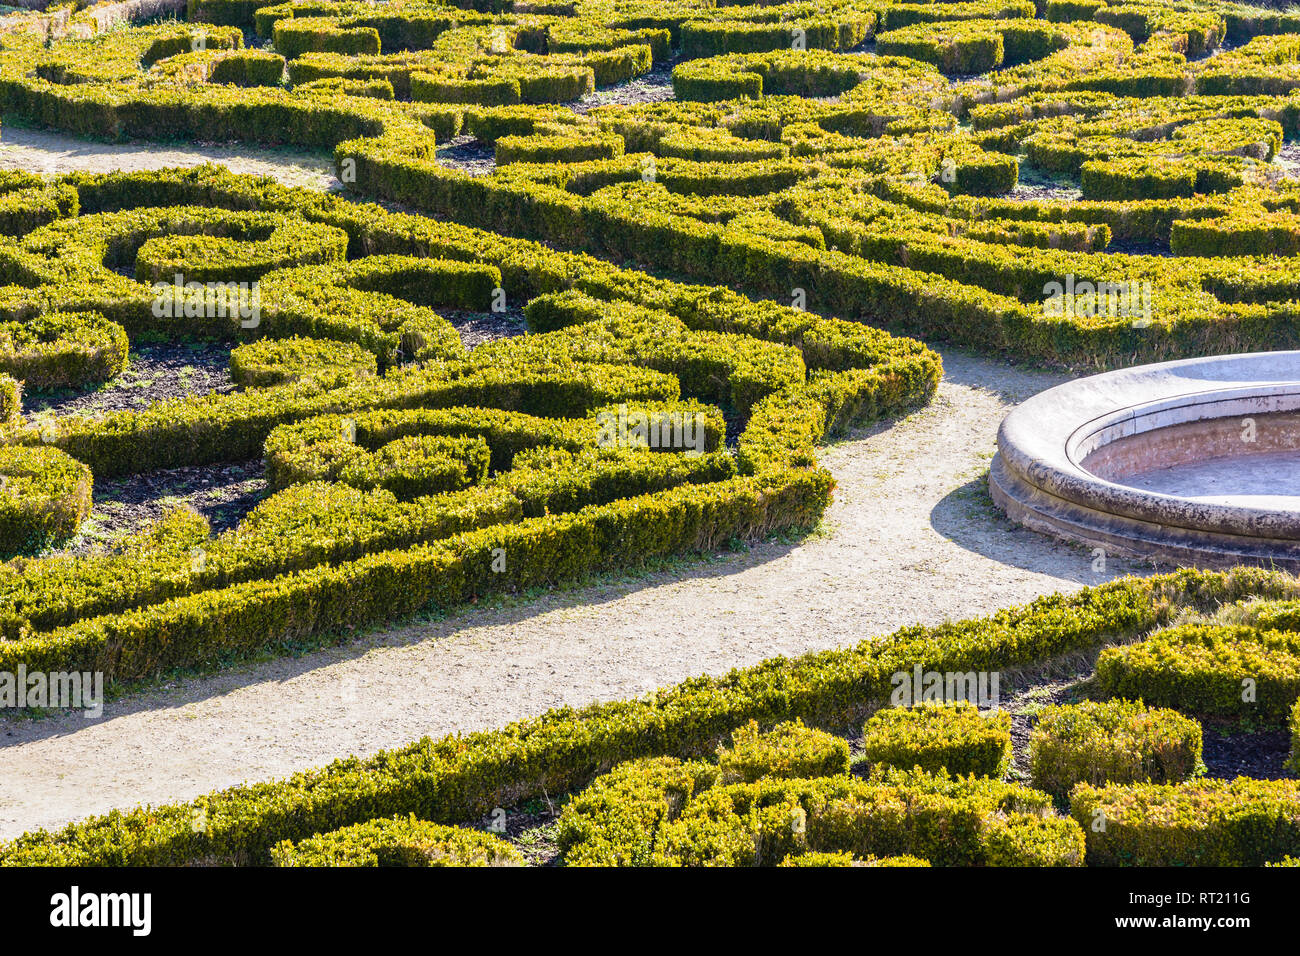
(269, 362)
(786, 750)
(385, 586)
(61, 350)
(398, 842)
(1242, 822)
(662, 812)
(44, 496)
(1222, 670)
(464, 776)
(1294, 724)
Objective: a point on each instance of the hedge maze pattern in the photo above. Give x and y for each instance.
(714, 284)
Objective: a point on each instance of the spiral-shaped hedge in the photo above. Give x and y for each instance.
(404, 470)
(715, 280)
(847, 165)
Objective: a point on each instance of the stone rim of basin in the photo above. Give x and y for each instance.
(1058, 468)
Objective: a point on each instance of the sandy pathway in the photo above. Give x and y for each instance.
(911, 537)
(50, 153)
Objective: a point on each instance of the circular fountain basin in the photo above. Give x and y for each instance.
(1192, 462)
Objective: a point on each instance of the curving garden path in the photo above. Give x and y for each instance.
(911, 537)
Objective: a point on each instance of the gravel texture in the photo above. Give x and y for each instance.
(52, 153)
(1032, 185)
(653, 87)
(911, 537)
(1288, 158)
(468, 155)
(475, 328)
(1231, 752)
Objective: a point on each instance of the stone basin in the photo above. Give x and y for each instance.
(1191, 462)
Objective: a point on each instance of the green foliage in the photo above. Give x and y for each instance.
(956, 738)
(464, 776)
(814, 192)
(1111, 742)
(787, 750)
(397, 842)
(1294, 724)
(44, 496)
(846, 859)
(11, 399)
(62, 350)
(1229, 671)
(277, 361)
(1242, 822)
(663, 812)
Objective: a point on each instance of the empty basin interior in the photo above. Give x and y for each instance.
(1240, 457)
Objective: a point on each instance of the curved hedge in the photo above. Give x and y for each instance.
(1111, 742)
(397, 842)
(664, 812)
(44, 495)
(463, 777)
(956, 739)
(277, 361)
(877, 188)
(62, 349)
(802, 201)
(405, 471)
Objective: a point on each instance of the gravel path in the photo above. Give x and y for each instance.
(653, 87)
(51, 153)
(910, 538)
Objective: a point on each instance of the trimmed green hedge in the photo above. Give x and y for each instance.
(787, 750)
(954, 738)
(398, 842)
(1229, 671)
(1111, 742)
(430, 88)
(277, 361)
(1073, 94)
(1242, 822)
(44, 496)
(662, 812)
(821, 182)
(505, 440)
(464, 776)
(62, 350)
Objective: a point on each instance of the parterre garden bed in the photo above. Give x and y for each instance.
(713, 285)
(757, 767)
